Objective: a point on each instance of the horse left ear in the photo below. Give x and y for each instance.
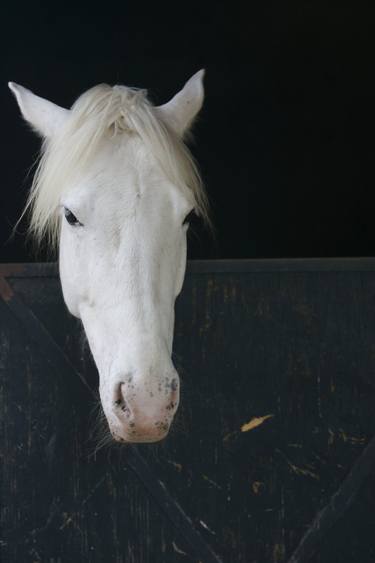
(182, 109)
(43, 116)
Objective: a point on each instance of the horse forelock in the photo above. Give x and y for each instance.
(105, 112)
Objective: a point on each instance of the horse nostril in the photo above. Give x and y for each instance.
(173, 403)
(120, 402)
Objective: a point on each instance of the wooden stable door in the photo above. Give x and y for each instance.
(270, 458)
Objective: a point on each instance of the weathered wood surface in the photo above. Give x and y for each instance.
(290, 339)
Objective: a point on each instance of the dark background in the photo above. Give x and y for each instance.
(285, 139)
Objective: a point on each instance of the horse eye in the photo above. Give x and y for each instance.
(189, 217)
(71, 218)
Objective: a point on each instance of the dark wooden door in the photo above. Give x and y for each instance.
(270, 458)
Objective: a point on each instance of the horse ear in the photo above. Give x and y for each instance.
(44, 116)
(182, 109)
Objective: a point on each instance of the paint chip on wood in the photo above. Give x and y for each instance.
(257, 487)
(254, 422)
(177, 549)
(204, 525)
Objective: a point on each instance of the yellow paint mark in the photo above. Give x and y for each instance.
(257, 487)
(254, 422)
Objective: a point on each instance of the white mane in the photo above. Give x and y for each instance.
(100, 112)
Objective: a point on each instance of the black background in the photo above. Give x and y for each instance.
(285, 139)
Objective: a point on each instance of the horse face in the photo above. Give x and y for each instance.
(122, 238)
(122, 264)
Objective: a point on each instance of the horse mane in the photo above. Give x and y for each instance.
(104, 112)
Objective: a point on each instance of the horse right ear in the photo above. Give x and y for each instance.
(44, 117)
(183, 108)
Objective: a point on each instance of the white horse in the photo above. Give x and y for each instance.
(115, 188)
